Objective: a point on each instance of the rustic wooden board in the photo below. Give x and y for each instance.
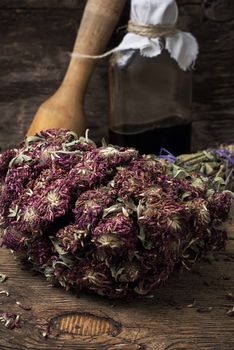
(94, 323)
(34, 55)
(42, 4)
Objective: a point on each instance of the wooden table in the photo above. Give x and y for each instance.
(190, 312)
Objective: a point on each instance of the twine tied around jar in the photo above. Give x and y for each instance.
(152, 31)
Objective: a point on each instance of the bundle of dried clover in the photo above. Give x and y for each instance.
(107, 219)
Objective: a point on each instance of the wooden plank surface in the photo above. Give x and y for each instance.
(16, 4)
(34, 55)
(166, 321)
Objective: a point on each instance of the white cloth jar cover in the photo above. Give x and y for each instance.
(182, 46)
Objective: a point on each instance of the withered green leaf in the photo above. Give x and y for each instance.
(3, 278)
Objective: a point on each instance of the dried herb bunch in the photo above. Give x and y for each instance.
(217, 164)
(105, 220)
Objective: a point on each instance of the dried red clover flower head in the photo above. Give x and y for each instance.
(39, 251)
(90, 205)
(13, 239)
(72, 239)
(117, 232)
(5, 159)
(221, 205)
(129, 271)
(198, 208)
(52, 136)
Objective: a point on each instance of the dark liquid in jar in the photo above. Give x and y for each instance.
(175, 139)
(150, 103)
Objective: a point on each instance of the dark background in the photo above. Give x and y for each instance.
(37, 35)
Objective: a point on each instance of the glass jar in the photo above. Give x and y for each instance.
(150, 103)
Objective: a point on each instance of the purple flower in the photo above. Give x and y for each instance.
(72, 240)
(14, 239)
(90, 205)
(116, 233)
(107, 220)
(5, 159)
(97, 166)
(40, 251)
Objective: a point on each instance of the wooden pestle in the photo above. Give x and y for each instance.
(65, 108)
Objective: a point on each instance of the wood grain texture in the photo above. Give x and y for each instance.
(34, 55)
(65, 108)
(38, 4)
(167, 321)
